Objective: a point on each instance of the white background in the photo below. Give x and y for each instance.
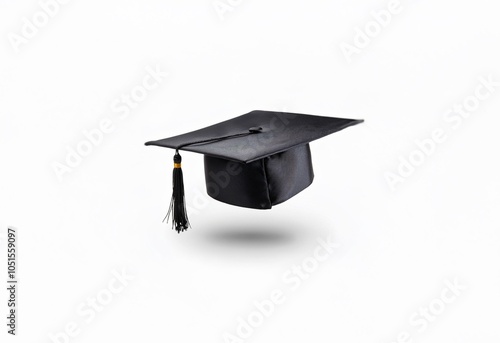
(397, 247)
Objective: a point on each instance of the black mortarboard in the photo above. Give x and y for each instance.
(256, 160)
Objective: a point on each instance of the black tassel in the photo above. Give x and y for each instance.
(177, 206)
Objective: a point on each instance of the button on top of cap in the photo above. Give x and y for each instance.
(255, 129)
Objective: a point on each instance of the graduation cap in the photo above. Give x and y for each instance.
(256, 160)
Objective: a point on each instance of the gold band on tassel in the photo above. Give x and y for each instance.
(177, 165)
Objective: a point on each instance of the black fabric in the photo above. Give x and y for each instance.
(280, 132)
(262, 183)
(288, 173)
(258, 159)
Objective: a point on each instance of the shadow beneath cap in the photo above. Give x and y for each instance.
(250, 236)
(261, 241)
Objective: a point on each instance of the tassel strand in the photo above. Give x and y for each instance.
(177, 207)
